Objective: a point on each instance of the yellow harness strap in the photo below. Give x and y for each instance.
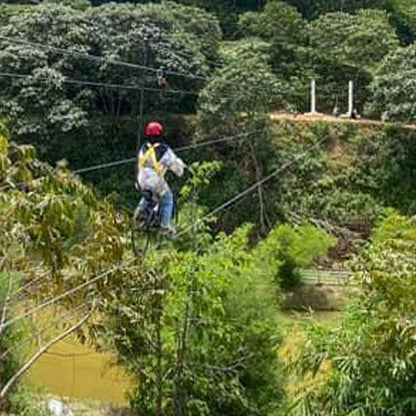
(151, 153)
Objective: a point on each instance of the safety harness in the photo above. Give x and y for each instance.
(151, 154)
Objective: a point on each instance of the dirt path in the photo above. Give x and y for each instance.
(319, 117)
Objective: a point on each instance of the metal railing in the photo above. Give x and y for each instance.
(327, 277)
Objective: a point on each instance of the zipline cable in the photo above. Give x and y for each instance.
(251, 188)
(178, 149)
(104, 85)
(114, 62)
(23, 292)
(63, 295)
(94, 84)
(131, 160)
(106, 60)
(96, 58)
(123, 266)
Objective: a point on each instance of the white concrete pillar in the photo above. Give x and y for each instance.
(350, 98)
(313, 96)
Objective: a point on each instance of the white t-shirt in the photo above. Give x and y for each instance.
(152, 178)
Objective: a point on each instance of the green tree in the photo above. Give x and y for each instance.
(245, 84)
(10, 338)
(371, 353)
(172, 317)
(56, 234)
(227, 11)
(393, 87)
(282, 26)
(75, 4)
(356, 183)
(60, 117)
(7, 11)
(314, 8)
(278, 23)
(347, 47)
(198, 333)
(53, 113)
(237, 101)
(200, 27)
(298, 248)
(196, 325)
(361, 40)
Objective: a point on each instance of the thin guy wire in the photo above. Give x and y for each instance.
(98, 58)
(131, 160)
(251, 188)
(127, 264)
(75, 289)
(108, 85)
(27, 340)
(23, 295)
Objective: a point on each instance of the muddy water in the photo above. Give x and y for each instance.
(73, 370)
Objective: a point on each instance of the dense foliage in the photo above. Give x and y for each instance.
(353, 173)
(208, 344)
(269, 67)
(55, 238)
(333, 48)
(194, 322)
(10, 338)
(338, 174)
(393, 87)
(367, 365)
(55, 105)
(361, 40)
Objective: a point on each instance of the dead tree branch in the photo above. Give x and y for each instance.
(35, 357)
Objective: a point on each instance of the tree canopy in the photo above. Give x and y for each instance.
(361, 40)
(268, 194)
(394, 85)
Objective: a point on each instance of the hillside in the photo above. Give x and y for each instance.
(244, 197)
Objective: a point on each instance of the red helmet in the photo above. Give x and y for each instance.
(154, 129)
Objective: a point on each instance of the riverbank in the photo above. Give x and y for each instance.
(90, 384)
(36, 404)
(76, 371)
(319, 297)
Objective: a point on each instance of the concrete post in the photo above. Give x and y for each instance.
(350, 98)
(313, 96)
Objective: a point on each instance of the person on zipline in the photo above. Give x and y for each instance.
(154, 160)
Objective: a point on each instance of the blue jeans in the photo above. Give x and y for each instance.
(166, 208)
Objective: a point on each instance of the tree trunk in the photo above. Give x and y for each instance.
(159, 350)
(179, 394)
(6, 303)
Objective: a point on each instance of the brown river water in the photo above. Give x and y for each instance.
(71, 369)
